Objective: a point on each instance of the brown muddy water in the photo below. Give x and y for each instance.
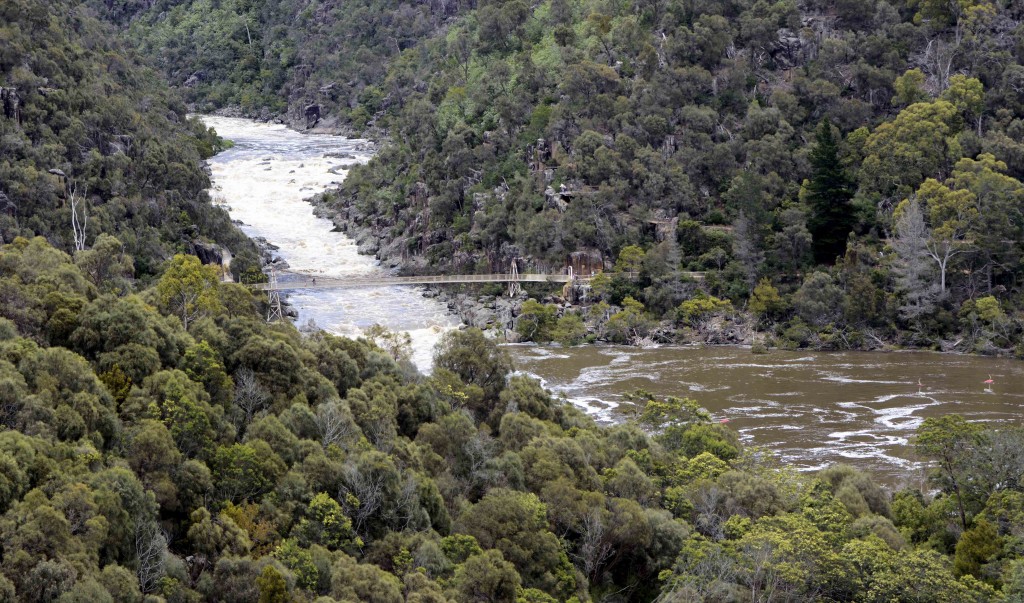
(813, 409)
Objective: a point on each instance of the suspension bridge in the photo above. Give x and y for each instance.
(301, 280)
(306, 281)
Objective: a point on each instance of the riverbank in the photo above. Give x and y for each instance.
(498, 313)
(493, 312)
(733, 326)
(813, 408)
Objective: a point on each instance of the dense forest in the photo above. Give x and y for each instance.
(96, 153)
(278, 58)
(160, 441)
(169, 444)
(845, 173)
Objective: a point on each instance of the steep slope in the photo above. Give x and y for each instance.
(744, 139)
(661, 110)
(305, 60)
(92, 143)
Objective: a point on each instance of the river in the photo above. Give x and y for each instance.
(813, 409)
(264, 181)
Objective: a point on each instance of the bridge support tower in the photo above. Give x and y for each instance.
(514, 287)
(274, 299)
(569, 290)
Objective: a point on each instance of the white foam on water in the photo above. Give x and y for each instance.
(592, 376)
(697, 387)
(805, 468)
(848, 437)
(745, 365)
(602, 410)
(887, 397)
(543, 382)
(621, 359)
(841, 379)
(540, 352)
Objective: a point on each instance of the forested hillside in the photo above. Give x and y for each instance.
(232, 460)
(96, 154)
(860, 161)
(160, 441)
(846, 172)
(281, 58)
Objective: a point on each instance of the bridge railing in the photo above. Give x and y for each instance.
(309, 281)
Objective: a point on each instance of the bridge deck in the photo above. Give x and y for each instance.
(308, 282)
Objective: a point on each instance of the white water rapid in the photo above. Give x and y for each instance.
(264, 181)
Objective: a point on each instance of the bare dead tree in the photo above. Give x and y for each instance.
(762, 574)
(79, 217)
(368, 488)
(746, 247)
(708, 504)
(478, 450)
(250, 395)
(594, 549)
(407, 504)
(914, 276)
(150, 550)
(715, 569)
(940, 58)
(334, 424)
(942, 251)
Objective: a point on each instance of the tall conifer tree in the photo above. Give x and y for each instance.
(828, 197)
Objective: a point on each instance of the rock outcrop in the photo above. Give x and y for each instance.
(10, 102)
(312, 113)
(208, 253)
